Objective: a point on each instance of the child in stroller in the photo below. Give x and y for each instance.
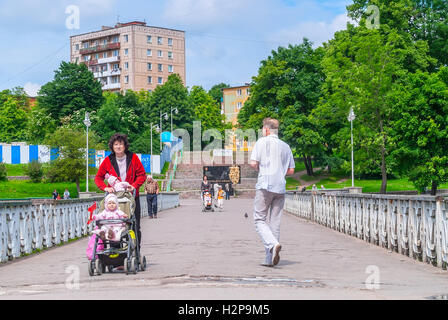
(207, 202)
(110, 232)
(113, 243)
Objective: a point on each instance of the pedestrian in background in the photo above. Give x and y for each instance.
(152, 190)
(227, 190)
(274, 160)
(55, 194)
(66, 194)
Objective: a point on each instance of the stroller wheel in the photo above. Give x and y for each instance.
(91, 268)
(99, 267)
(126, 265)
(133, 265)
(143, 263)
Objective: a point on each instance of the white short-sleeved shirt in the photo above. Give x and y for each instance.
(274, 158)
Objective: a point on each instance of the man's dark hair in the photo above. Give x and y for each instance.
(119, 137)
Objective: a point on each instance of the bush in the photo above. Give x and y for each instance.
(35, 171)
(3, 174)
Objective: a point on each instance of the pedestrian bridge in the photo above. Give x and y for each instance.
(336, 245)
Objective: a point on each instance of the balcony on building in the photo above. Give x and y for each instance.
(99, 48)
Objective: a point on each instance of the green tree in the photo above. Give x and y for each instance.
(216, 92)
(40, 123)
(13, 120)
(362, 66)
(288, 87)
(172, 94)
(73, 88)
(425, 20)
(420, 129)
(71, 164)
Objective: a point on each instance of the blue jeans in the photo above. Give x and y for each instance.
(152, 204)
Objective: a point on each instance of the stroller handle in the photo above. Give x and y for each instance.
(113, 221)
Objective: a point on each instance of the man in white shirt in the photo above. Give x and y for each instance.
(274, 160)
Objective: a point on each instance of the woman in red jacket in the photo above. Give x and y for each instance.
(126, 166)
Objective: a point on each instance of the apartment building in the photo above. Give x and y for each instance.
(131, 55)
(233, 100)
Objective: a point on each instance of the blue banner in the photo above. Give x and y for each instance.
(146, 161)
(34, 153)
(15, 154)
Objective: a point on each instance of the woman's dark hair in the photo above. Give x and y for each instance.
(119, 137)
(205, 176)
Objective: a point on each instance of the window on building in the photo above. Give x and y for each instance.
(160, 53)
(247, 91)
(149, 79)
(115, 53)
(170, 68)
(160, 80)
(104, 41)
(239, 92)
(104, 54)
(77, 46)
(170, 55)
(97, 43)
(159, 40)
(149, 66)
(126, 79)
(86, 45)
(86, 58)
(149, 53)
(97, 56)
(115, 39)
(126, 65)
(115, 66)
(126, 38)
(239, 105)
(148, 39)
(115, 79)
(170, 41)
(160, 67)
(126, 51)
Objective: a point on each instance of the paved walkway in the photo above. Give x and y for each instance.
(195, 255)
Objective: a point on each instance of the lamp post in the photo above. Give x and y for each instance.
(87, 124)
(161, 131)
(176, 111)
(157, 129)
(351, 117)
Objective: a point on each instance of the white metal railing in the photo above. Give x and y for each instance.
(416, 226)
(31, 225)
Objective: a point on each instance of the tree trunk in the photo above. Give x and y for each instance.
(434, 188)
(77, 186)
(383, 172)
(310, 164)
(306, 165)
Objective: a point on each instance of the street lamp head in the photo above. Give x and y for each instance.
(166, 116)
(86, 121)
(176, 111)
(351, 115)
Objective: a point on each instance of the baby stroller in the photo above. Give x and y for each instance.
(126, 253)
(207, 201)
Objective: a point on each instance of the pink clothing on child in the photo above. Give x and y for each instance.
(116, 184)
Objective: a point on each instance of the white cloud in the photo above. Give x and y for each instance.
(31, 89)
(195, 13)
(316, 31)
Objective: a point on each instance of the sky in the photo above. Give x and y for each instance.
(225, 39)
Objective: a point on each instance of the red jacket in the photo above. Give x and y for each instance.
(135, 176)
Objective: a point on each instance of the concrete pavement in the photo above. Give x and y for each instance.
(195, 255)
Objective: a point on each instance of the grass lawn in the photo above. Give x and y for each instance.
(16, 189)
(368, 186)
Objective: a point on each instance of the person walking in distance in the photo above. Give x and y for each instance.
(152, 190)
(274, 160)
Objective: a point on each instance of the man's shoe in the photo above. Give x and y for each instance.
(155, 217)
(150, 217)
(276, 254)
